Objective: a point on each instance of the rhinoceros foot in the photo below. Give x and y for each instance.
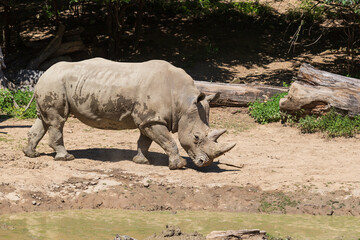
(176, 163)
(141, 159)
(66, 157)
(30, 153)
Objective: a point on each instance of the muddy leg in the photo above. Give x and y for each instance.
(143, 146)
(160, 134)
(56, 141)
(35, 134)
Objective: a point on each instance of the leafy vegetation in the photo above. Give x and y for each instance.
(273, 202)
(22, 98)
(268, 111)
(333, 124)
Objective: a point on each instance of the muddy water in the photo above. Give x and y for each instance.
(105, 223)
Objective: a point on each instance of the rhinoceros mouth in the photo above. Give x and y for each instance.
(202, 160)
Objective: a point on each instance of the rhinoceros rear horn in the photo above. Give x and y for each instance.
(215, 134)
(222, 148)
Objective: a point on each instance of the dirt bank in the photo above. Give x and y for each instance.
(279, 171)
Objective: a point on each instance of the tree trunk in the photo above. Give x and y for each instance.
(4, 82)
(316, 92)
(50, 49)
(139, 20)
(238, 95)
(6, 29)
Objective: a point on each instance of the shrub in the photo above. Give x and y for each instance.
(333, 124)
(266, 112)
(337, 125)
(22, 98)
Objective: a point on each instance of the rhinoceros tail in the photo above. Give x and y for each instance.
(29, 104)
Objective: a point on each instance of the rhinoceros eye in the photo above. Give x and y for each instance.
(196, 138)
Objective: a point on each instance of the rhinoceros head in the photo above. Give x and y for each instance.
(195, 135)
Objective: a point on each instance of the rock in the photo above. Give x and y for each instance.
(146, 182)
(253, 234)
(33, 202)
(171, 231)
(125, 237)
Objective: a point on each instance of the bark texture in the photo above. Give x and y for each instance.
(238, 95)
(316, 92)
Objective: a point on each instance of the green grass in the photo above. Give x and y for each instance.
(22, 98)
(332, 123)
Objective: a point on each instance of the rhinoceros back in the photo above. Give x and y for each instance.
(113, 95)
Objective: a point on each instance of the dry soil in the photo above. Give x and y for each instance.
(273, 168)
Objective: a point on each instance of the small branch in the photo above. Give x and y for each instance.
(308, 45)
(231, 165)
(295, 36)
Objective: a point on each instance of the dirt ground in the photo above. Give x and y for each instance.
(272, 169)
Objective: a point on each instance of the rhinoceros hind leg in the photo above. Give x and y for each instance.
(161, 135)
(143, 146)
(56, 141)
(35, 134)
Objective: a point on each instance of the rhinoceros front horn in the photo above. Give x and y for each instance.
(222, 148)
(215, 134)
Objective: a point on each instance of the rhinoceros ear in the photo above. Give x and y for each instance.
(200, 97)
(212, 97)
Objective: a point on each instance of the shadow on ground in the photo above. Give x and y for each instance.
(116, 155)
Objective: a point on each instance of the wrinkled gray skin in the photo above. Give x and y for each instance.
(153, 96)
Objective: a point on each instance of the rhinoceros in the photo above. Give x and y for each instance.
(154, 96)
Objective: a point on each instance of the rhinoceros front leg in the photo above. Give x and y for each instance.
(143, 146)
(161, 135)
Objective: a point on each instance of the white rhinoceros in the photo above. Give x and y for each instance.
(154, 96)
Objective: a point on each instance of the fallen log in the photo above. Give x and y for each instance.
(316, 92)
(238, 95)
(69, 47)
(49, 50)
